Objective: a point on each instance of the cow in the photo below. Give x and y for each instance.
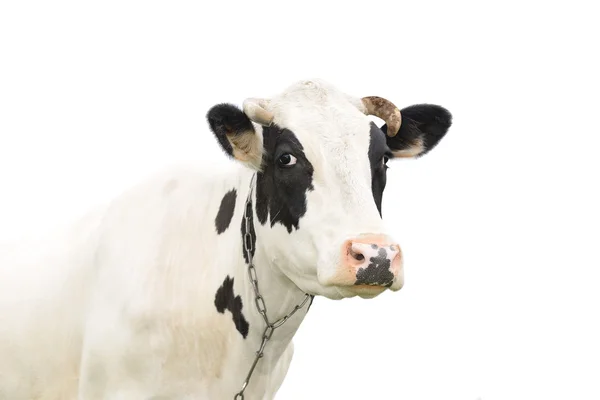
(172, 289)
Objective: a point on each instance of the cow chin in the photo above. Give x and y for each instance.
(341, 291)
(362, 291)
(367, 291)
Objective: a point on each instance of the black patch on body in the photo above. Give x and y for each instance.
(227, 119)
(426, 122)
(281, 191)
(251, 240)
(379, 152)
(378, 272)
(225, 213)
(225, 300)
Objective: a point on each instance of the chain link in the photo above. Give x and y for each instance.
(259, 301)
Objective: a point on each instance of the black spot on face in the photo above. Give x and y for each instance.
(225, 300)
(379, 153)
(281, 188)
(225, 213)
(377, 273)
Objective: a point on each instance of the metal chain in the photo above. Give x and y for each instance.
(259, 301)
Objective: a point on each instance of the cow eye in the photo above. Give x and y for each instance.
(287, 160)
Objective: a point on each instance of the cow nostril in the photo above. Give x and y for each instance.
(355, 255)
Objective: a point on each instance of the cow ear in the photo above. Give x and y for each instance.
(236, 134)
(423, 126)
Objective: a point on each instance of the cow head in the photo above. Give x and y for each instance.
(321, 172)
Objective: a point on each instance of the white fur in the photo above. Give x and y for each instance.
(121, 306)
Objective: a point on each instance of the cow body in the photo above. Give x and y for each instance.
(150, 296)
(130, 291)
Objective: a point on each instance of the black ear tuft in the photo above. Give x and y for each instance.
(423, 126)
(228, 120)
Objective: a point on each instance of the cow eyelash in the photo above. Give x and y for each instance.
(384, 161)
(387, 157)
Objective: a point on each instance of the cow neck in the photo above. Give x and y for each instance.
(273, 298)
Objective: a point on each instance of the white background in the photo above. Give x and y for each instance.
(499, 224)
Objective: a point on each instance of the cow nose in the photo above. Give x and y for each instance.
(373, 260)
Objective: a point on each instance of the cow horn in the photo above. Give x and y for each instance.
(384, 109)
(255, 109)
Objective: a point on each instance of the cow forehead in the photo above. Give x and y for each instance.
(314, 101)
(324, 119)
(314, 91)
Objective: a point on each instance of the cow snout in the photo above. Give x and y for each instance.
(373, 260)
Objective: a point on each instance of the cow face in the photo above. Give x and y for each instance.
(321, 172)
